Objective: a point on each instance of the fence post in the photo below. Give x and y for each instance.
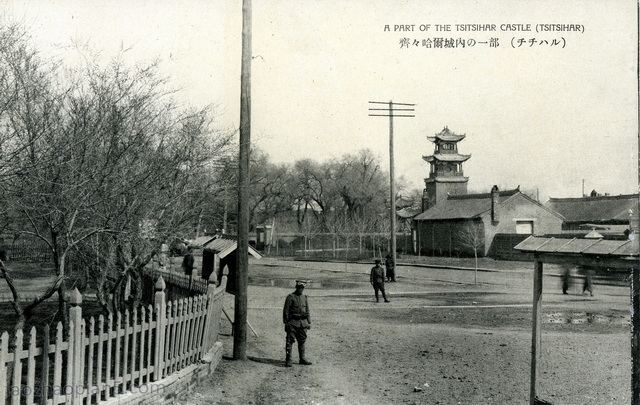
(4, 354)
(77, 364)
(211, 289)
(160, 306)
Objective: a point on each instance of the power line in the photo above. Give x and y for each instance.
(390, 110)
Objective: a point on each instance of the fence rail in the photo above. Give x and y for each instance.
(349, 246)
(100, 359)
(25, 252)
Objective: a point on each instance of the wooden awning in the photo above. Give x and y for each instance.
(225, 245)
(589, 252)
(620, 254)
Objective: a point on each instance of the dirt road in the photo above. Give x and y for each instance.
(441, 340)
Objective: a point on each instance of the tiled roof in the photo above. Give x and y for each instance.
(446, 135)
(595, 209)
(225, 245)
(201, 241)
(542, 244)
(464, 206)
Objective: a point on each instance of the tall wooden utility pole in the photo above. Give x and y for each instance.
(635, 272)
(242, 273)
(406, 110)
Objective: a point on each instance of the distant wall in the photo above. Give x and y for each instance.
(442, 238)
(517, 208)
(502, 247)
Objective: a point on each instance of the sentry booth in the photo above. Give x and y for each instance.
(220, 252)
(598, 253)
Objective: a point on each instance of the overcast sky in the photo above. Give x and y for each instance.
(543, 116)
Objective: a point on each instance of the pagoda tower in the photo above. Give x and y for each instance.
(445, 172)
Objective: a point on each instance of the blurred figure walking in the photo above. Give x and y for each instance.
(566, 279)
(588, 281)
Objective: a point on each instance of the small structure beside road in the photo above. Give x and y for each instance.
(219, 252)
(610, 254)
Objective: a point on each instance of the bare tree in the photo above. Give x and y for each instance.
(30, 113)
(309, 228)
(271, 188)
(104, 168)
(360, 182)
(471, 236)
(154, 179)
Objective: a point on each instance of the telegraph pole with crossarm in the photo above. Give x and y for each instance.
(391, 110)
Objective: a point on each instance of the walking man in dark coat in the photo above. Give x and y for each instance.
(390, 267)
(187, 265)
(297, 320)
(376, 278)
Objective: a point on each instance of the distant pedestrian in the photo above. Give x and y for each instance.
(566, 279)
(187, 265)
(297, 320)
(588, 281)
(376, 278)
(390, 266)
(187, 262)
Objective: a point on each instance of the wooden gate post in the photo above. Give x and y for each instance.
(160, 306)
(535, 333)
(77, 359)
(635, 336)
(207, 342)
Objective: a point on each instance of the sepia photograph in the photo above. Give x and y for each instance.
(321, 202)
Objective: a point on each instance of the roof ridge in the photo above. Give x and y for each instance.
(598, 197)
(504, 193)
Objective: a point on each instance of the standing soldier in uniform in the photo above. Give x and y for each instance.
(376, 278)
(297, 320)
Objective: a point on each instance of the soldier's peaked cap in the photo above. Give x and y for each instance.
(301, 283)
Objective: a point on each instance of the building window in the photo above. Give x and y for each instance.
(524, 227)
(447, 146)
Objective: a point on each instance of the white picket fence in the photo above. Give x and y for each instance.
(99, 360)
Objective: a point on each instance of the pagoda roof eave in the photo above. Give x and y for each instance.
(446, 137)
(446, 157)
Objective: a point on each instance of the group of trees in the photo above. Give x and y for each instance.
(99, 164)
(346, 197)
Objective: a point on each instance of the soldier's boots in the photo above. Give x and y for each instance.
(287, 361)
(303, 360)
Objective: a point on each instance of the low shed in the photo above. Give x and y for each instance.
(220, 252)
(612, 254)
